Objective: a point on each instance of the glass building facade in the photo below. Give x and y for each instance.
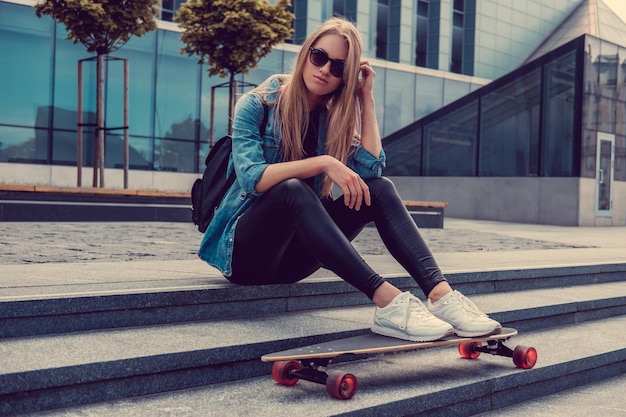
(555, 110)
(170, 94)
(526, 123)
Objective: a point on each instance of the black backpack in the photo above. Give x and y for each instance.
(207, 192)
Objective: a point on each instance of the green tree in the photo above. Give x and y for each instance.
(102, 26)
(232, 35)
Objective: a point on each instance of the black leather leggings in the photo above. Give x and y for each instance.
(289, 233)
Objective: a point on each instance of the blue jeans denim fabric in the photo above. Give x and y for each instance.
(289, 233)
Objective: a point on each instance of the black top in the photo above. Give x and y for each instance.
(310, 139)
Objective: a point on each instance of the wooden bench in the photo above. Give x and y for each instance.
(91, 191)
(427, 214)
(26, 202)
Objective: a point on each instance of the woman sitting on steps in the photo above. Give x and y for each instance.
(279, 223)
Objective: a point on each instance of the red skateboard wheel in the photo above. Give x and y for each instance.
(281, 372)
(341, 385)
(524, 357)
(468, 349)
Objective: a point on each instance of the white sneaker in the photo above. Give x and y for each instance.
(406, 317)
(463, 315)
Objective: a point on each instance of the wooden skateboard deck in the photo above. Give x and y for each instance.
(307, 362)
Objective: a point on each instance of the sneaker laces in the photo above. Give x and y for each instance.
(415, 306)
(468, 305)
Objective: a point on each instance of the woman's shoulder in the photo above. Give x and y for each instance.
(270, 89)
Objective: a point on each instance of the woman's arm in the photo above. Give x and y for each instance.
(279, 172)
(370, 135)
(355, 191)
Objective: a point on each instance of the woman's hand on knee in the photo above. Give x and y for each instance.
(355, 190)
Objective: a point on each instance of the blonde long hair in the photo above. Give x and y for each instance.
(343, 118)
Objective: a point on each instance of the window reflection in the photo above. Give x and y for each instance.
(28, 90)
(20, 145)
(510, 128)
(429, 95)
(450, 143)
(399, 96)
(558, 117)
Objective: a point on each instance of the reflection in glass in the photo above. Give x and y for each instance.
(23, 145)
(400, 98)
(450, 143)
(176, 87)
(30, 89)
(558, 117)
(429, 95)
(510, 128)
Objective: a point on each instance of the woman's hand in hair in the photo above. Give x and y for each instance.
(366, 80)
(355, 190)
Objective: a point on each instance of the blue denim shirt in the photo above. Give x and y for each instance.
(250, 156)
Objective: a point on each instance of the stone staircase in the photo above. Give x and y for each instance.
(196, 350)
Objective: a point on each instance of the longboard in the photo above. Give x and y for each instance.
(309, 362)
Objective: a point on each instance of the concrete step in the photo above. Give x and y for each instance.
(47, 372)
(52, 309)
(433, 382)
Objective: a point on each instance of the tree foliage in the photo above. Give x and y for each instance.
(103, 26)
(233, 35)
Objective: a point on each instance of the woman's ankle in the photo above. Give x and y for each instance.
(385, 294)
(440, 290)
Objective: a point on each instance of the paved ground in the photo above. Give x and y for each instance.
(27, 243)
(42, 258)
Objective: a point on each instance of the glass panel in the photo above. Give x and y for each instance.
(456, 61)
(620, 119)
(382, 24)
(558, 117)
(429, 96)
(588, 161)
(510, 128)
(345, 8)
(141, 153)
(606, 65)
(399, 100)
(620, 158)
(25, 145)
(453, 90)
(30, 48)
(604, 174)
(174, 155)
(421, 39)
(176, 90)
(64, 147)
(450, 143)
(404, 154)
(66, 79)
(591, 106)
(140, 55)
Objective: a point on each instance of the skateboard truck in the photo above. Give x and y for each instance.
(340, 385)
(524, 357)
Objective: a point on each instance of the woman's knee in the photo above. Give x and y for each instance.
(291, 185)
(295, 192)
(382, 187)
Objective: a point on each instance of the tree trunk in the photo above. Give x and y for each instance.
(98, 162)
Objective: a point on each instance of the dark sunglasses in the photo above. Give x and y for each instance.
(319, 58)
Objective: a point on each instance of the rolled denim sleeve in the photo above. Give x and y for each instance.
(248, 155)
(365, 164)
